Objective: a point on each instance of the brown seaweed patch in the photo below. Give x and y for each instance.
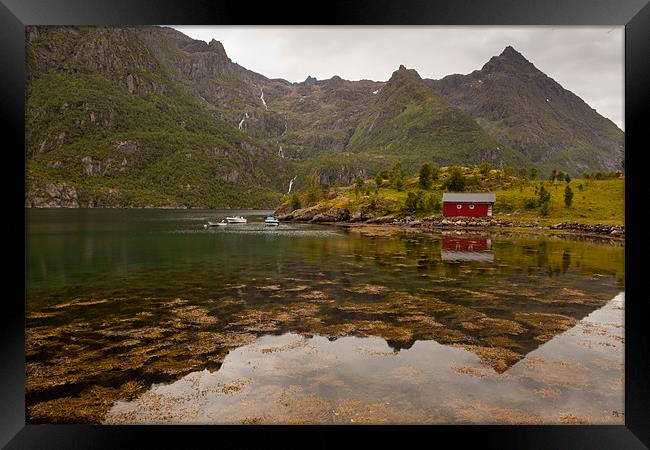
(42, 315)
(195, 315)
(251, 421)
(571, 419)
(555, 371)
(370, 289)
(315, 296)
(137, 333)
(269, 287)
(500, 359)
(480, 413)
(548, 392)
(545, 323)
(470, 371)
(353, 411)
(500, 326)
(298, 288)
(175, 302)
(298, 343)
(89, 407)
(79, 302)
(235, 386)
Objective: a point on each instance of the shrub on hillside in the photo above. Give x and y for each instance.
(456, 181)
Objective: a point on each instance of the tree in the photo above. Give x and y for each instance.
(420, 203)
(484, 168)
(544, 196)
(533, 173)
(435, 172)
(544, 200)
(567, 178)
(568, 196)
(314, 192)
(379, 180)
(295, 201)
(523, 173)
(411, 203)
(553, 175)
(455, 181)
(433, 203)
(426, 179)
(543, 211)
(398, 182)
(397, 176)
(358, 185)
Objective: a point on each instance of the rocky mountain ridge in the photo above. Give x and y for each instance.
(136, 116)
(524, 108)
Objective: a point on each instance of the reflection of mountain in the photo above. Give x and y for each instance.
(456, 248)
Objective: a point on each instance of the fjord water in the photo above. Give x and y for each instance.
(144, 316)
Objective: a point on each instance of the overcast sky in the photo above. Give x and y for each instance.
(585, 60)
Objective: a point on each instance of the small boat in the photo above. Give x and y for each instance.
(223, 223)
(271, 221)
(236, 219)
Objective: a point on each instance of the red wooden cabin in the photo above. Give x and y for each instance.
(467, 205)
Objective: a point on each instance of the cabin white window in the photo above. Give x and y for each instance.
(471, 206)
(459, 206)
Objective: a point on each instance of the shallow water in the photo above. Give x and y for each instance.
(292, 378)
(144, 316)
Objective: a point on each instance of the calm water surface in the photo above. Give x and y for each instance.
(144, 316)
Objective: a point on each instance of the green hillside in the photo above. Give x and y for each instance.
(144, 142)
(410, 121)
(594, 201)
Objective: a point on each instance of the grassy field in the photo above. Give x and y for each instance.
(594, 201)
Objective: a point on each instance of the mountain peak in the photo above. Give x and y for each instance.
(199, 46)
(509, 59)
(404, 72)
(216, 47)
(510, 52)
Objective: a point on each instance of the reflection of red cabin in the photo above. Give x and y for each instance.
(467, 205)
(466, 249)
(466, 244)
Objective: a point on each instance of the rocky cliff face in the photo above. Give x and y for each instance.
(525, 109)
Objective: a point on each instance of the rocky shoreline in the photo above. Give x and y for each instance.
(434, 223)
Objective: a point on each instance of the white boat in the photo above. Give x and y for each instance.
(271, 221)
(236, 219)
(223, 223)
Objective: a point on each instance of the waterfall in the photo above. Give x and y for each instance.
(244, 117)
(281, 154)
(291, 184)
(262, 98)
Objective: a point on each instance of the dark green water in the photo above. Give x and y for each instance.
(118, 300)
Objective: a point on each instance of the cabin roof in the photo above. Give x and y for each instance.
(469, 197)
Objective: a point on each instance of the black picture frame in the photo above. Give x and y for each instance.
(16, 14)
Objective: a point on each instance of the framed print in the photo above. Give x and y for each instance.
(383, 215)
